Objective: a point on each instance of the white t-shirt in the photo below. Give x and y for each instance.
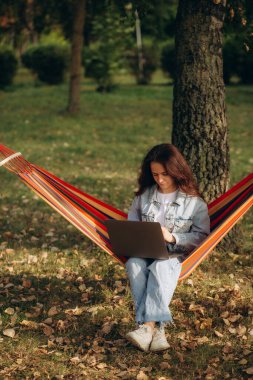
(164, 199)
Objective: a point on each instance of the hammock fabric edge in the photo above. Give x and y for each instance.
(87, 213)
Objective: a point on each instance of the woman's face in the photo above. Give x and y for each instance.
(165, 182)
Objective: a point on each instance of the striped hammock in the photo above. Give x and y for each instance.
(88, 214)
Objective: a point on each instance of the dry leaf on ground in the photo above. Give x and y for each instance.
(249, 370)
(9, 311)
(9, 332)
(142, 376)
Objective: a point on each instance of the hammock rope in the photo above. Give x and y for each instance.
(88, 214)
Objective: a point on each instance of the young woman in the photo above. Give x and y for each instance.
(167, 194)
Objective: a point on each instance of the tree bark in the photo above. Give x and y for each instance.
(76, 56)
(199, 114)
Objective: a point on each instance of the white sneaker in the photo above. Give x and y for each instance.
(141, 337)
(159, 342)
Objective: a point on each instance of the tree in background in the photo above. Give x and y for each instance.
(112, 37)
(76, 56)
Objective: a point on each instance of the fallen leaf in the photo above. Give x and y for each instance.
(227, 348)
(30, 324)
(241, 330)
(234, 318)
(9, 332)
(9, 311)
(9, 251)
(32, 259)
(101, 365)
(107, 327)
(44, 255)
(205, 323)
(164, 365)
(123, 374)
(180, 356)
(8, 234)
(76, 311)
(203, 339)
(249, 370)
(181, 335)
(145, 369)
(48, 330)
(226, 321)
(232, 330)
(198, 308)
(14, 319)
(85, 297)
(52, 311)
(217, 333)
(82, 287)
(26, 283)
(75, 360)
(48, 321)
(225, 314)
(31, 298)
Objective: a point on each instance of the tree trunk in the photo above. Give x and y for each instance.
(199, 115)
(139, 48)
(76, 56)
(30, 21)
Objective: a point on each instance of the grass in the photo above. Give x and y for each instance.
(46, 263)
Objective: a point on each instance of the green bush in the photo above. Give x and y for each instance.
(237, 61)
(231, 59)
(246, 68)
(150, 61)
(99, 67)
(47, 61)
(168, 60)
(8, 66)
(111, 37)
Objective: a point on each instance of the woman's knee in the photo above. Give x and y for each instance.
(136, 263)
(168, 267)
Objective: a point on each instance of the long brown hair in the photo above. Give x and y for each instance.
(174, 164)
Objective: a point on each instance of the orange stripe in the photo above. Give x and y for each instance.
(100, 207)
(222, 203)
(96, 224)
(195, 258)
(98, 242)
(113, 212)
(211, 239)
(59, 206)
(209, 242)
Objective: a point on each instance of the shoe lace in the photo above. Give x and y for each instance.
(144, 328)
(160, 332)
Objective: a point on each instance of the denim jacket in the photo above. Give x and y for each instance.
(186, 218)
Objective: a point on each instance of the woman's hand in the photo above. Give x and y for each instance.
(168, 236)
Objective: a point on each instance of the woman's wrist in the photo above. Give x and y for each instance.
(172, 239)
(168, 237)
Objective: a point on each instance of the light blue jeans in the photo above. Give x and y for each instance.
(153, 283)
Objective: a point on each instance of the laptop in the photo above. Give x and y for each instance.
(137, 239)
